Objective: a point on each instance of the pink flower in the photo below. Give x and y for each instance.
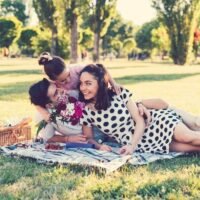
(78, 112)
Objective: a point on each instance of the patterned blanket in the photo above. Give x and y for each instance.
(106, 161)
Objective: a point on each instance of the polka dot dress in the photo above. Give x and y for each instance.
(117, 122)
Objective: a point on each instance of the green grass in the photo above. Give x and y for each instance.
(178, 178)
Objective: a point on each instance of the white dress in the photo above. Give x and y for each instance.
(117, 122)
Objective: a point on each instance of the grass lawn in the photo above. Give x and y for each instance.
(169, 179)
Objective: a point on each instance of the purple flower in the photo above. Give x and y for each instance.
(61, 106)
(72, 99)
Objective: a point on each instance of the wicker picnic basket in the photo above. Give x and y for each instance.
(15, 134)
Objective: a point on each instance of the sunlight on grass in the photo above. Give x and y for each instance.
(167, 179)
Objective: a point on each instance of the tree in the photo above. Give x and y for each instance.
(43, 43)
(9, 30)
(129, 45)
(47, 14)
(71, 14)
(180, 18)
(103, 11)
(86, 41)
(14, 7)
(143, 35)
(118, 31)
(160, 40)
(71, 11)
(25, 40)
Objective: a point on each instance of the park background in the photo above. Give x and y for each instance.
(157, 58)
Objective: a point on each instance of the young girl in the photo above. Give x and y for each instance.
(118, 117)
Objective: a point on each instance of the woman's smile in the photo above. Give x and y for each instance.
(88, 86)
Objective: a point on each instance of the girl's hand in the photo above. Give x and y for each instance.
(144, 112)
(104, 147)
(76, 138)
(117, 88)
(126, 150)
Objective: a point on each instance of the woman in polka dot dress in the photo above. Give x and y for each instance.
(118, 117)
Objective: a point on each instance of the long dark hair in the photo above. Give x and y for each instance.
(38, 93)
(104, 94)
(53, 65)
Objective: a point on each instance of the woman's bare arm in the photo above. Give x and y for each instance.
(154, 103)
(139, 128)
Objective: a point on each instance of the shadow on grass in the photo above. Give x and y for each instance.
(152, 77)
(20, 72)
(15, 90)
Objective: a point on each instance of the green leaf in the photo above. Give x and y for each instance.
(41, 125)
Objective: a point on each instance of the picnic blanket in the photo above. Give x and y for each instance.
(106, 161)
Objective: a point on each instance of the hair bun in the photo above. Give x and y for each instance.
(44, 58)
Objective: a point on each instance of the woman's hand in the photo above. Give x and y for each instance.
(143, 111)
(117, 88)
(76, 138)
(126, 150)
(104, 147)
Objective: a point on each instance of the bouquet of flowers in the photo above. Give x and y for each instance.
(67, 111)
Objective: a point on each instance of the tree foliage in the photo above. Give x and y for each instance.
(47, 14)
(43, 43)
(180, 18)
(10, 28)
(71, 15)
(118, 32)
(25, 40)
(143, 35)
(15, 8)
(100, 18)
(160, 39)
(86, 41)
(129, 45)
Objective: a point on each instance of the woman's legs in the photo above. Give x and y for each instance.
(192, 121)
(183, 134)
(181, 147)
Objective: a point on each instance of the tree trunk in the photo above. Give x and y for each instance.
(96, 47)
(54, 41)
(74, 40)
(178, 46)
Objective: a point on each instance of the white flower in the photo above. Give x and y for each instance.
(70, 108)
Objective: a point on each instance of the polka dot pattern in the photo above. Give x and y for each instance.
(117, 122)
